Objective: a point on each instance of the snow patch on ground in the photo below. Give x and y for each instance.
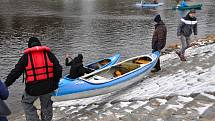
(175, 107)
(184, 99)
(161, 101)
(128, 110)
(208, 95)
(108, 113)
(84, 101)
(107, 105)
(62, 108)
(138, 104)
(204, 107)
(180, 82)
(124, 104)
(149, 108)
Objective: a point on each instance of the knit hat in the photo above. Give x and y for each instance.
(157, 18)
(33, 41)
(192, 11)
(78, 59)
(80, 56)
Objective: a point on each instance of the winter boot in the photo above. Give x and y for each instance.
(181, 56)
(155, 70)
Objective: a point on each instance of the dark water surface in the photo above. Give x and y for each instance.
(95, 28)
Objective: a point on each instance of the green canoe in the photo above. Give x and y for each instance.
(190, 6)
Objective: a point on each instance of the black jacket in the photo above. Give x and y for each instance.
(159, 36)
(77, 69)
(38, 87)
(187, 25)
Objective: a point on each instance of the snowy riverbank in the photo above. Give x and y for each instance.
(179, 86)
(177, 78)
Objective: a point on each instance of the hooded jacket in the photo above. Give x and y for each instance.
(77, 69)
(187, 25)
(37, 87)
(159, 36)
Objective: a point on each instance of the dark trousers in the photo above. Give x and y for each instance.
(157, 66)
(185, 43)
(31, 111)
(3, 119)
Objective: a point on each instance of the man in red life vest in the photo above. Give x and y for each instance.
(43, 72)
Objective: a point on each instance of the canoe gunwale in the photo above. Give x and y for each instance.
(84, 89)
(83, 78)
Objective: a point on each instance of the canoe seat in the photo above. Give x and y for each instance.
(117, 73)
(124, 68)
(130, 66)
(99, 64)
(96, 79)
(142, 61)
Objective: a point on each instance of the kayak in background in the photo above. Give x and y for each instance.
(190, 6)
(148, 5)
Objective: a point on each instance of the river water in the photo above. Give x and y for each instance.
(95, 28)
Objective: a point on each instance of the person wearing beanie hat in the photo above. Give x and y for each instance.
(192, 11)
(43, 72)
(157, 18)
(33, 41)
(158, 39)
(77, 68)
(186, 27)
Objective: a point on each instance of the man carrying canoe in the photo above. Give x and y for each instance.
(158, 39)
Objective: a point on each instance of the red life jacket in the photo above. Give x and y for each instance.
(39, 66)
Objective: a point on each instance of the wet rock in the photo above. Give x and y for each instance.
(209, 114)
(109, 118)
(205, 97)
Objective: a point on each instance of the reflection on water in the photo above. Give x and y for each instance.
(95, 28)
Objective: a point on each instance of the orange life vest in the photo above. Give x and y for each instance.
(39, 66)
